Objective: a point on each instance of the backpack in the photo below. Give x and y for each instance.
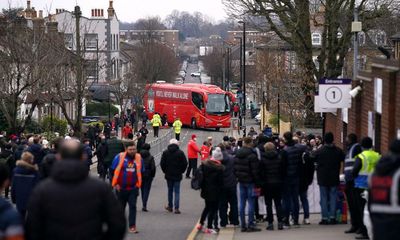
(198, 179)
(6, 160)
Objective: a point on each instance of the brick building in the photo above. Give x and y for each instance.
(168, 37)
(375, 111)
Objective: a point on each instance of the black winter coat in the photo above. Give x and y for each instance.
(229, 175)
(213, 181)
(246, 166)
(307, 170)
(149, 164)
(173, 163)
(114, 147)
(272, 168)
(292, 156)
(71, 205)
(328, 159)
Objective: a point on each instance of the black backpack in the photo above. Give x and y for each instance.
(198, 179)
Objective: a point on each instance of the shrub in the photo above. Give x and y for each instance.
(59, 125)
(33, 127)
(100, 109)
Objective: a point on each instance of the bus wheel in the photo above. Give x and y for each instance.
(194, 125)
(217, 129)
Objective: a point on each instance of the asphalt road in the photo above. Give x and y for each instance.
(191, 68)
(157, 223)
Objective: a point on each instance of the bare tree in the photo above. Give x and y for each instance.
(26, 58)
(294, 20)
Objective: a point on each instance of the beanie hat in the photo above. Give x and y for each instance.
(395, 146)
(193, 136)
(217, 154)
(173, 141)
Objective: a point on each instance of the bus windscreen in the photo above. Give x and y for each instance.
(218, 104)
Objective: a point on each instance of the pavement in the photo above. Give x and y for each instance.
(304, 232)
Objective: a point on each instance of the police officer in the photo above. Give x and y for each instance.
(353, 149)
(384, 209)
(156, 122)
(364, 166)
(177, 127)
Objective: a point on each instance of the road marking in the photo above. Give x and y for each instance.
(193, 233)
(226, 233)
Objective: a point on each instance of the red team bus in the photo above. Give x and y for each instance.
(197, 105)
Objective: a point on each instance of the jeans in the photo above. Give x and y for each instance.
(209, 211)
(192, 167)
(129, 197)
(173, 188)
(145, 189)
(291, 202)
(273, 193)
(246, 195)
(228, 196)
(328, 202)
(305, 204)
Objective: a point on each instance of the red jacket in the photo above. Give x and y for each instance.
(205, 152)
(125, 131)
(192, 149)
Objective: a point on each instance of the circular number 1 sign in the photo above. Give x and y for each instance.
(333, 95)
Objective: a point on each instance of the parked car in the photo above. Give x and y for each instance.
(258, 118)
(195, 74)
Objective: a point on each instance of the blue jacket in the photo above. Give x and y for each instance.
(10, 221)
(25, 177)
(37, 151)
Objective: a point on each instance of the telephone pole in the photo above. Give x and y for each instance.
(79, 73)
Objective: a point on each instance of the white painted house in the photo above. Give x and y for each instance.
(99, 37)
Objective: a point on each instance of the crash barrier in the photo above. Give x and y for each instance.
(158, 145)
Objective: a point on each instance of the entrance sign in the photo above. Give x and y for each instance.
(335, 93)
(319, 109)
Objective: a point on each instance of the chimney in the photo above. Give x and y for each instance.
(28, 4)
(38, 27)
(52, 28)
(110, 10)
(40, 13)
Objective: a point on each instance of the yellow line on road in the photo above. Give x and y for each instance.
(193, 233)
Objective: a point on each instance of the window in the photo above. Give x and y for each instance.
(114, 42)
(91, 41)
(91, 69)
(218, 104)
(380, 39)
(117, 42)
(361, 39)
(197, 99)
(69, 40)
(316, 39)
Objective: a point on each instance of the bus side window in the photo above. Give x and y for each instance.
(197, 100)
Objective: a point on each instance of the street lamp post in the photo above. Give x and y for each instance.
(241, 80)
(244, 71)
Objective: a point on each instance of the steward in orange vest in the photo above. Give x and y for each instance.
(127, 179)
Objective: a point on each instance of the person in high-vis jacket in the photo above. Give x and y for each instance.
(127, 180)
(156, 123)
(384, 204)
(353, 149)
(364, 166)
(177, 128)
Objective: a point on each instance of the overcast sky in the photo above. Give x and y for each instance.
(128, 10)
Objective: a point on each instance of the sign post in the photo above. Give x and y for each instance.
(334, 93)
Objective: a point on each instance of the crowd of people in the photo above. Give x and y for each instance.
(282, 169)
(49, 179)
